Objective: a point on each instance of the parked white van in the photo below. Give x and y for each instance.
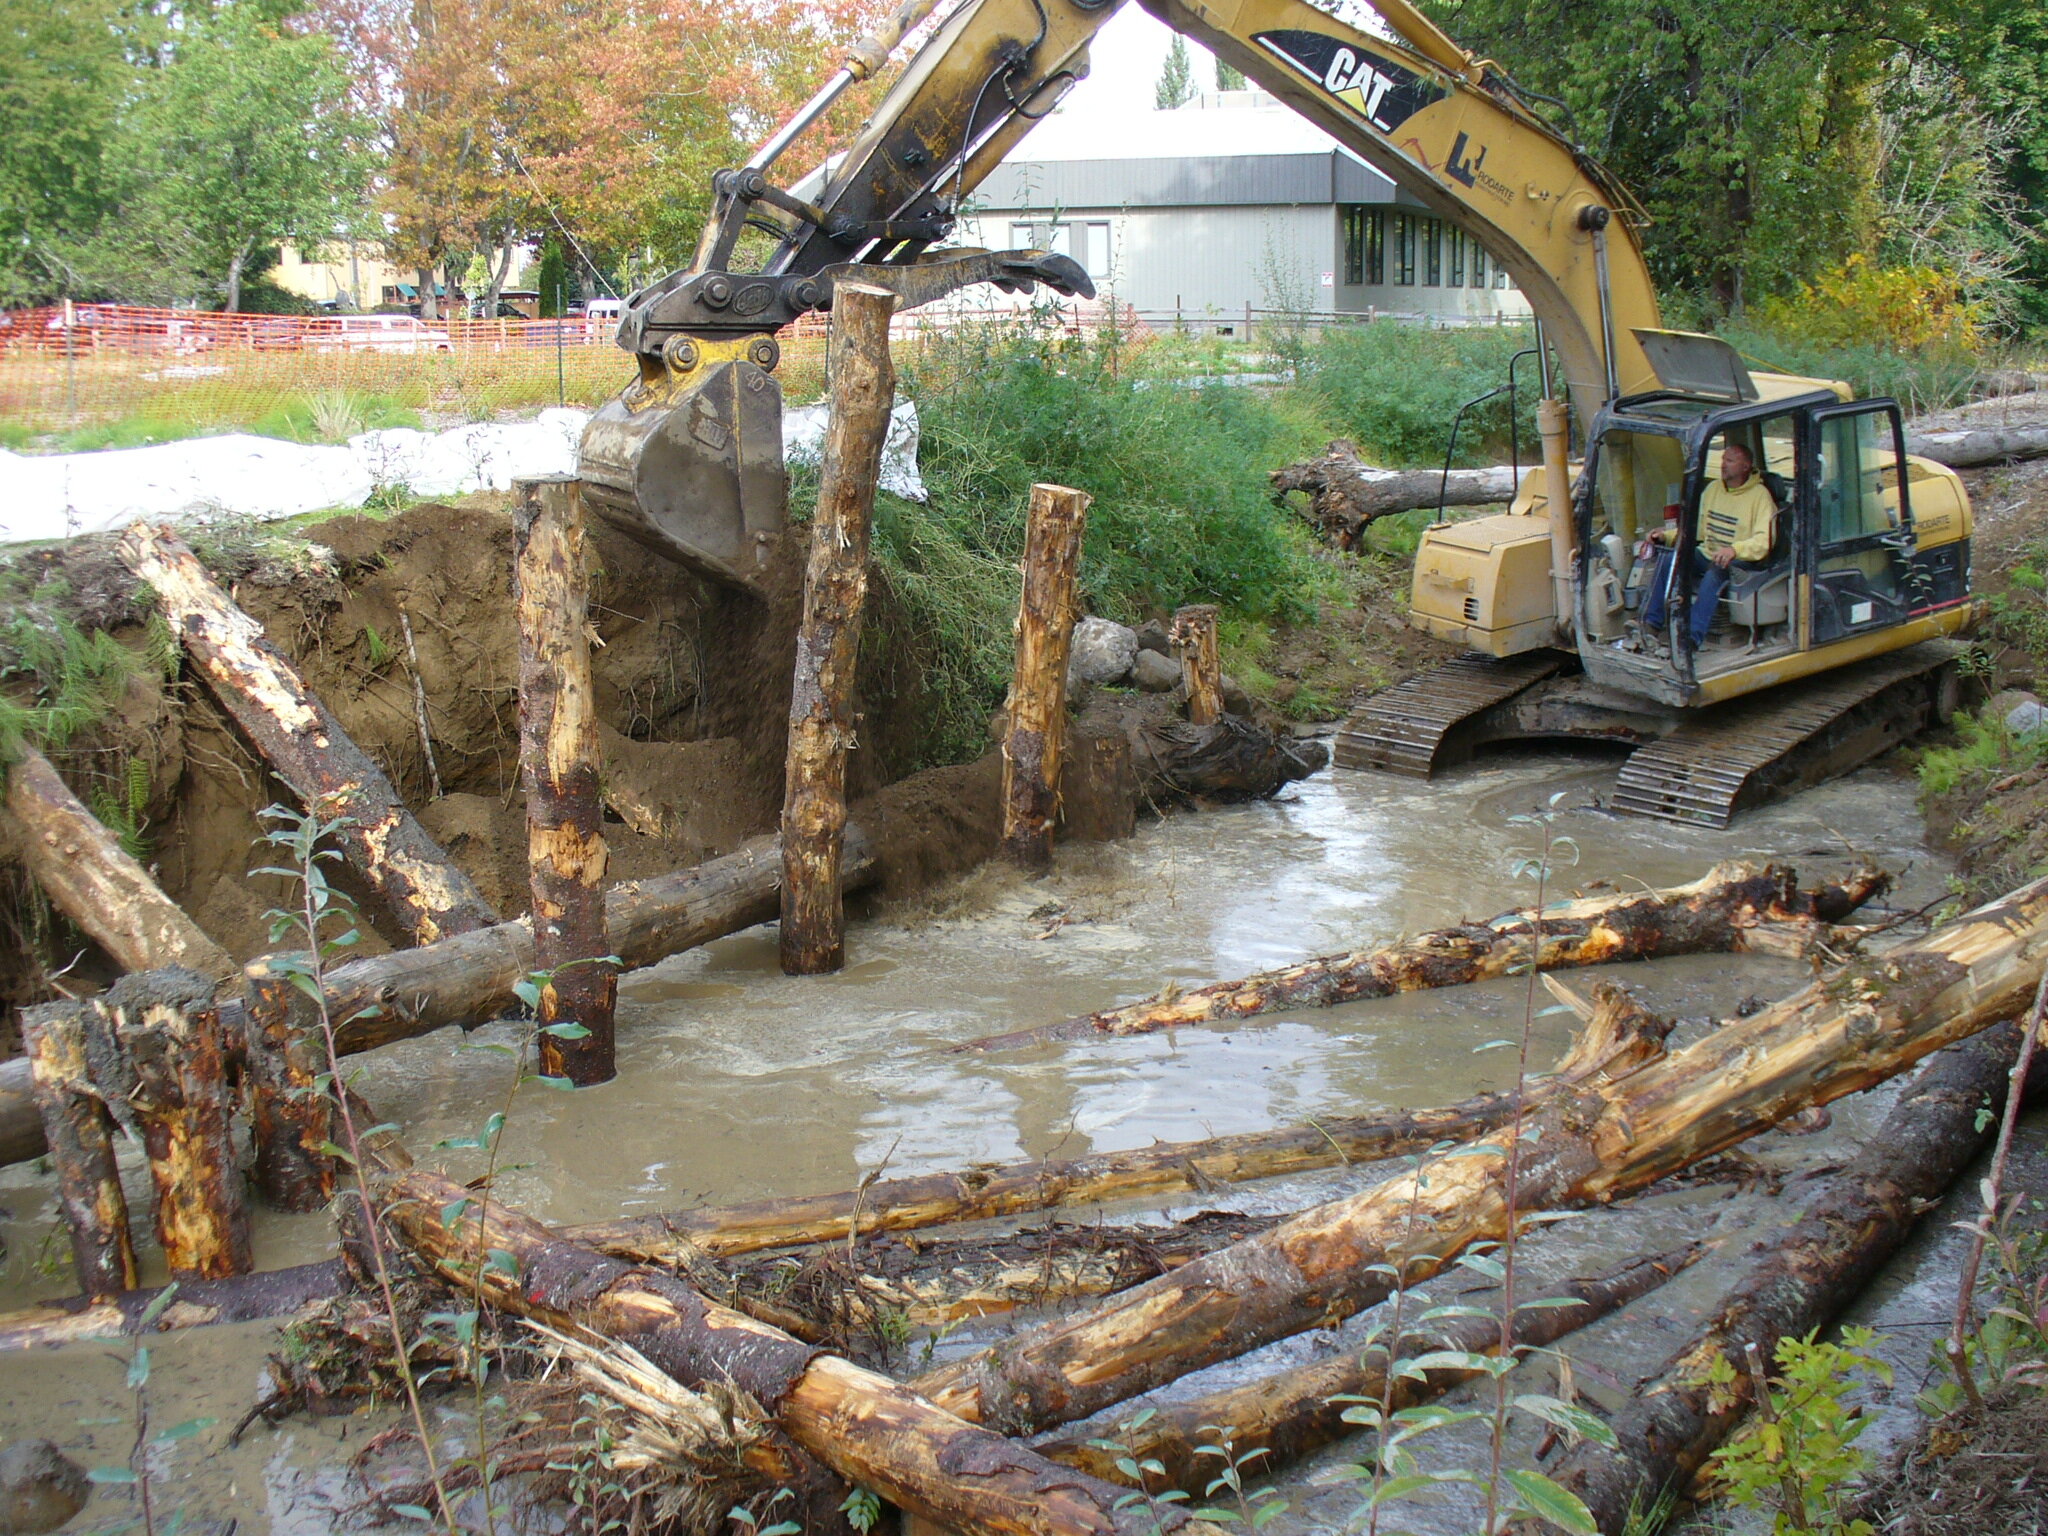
(377, 333)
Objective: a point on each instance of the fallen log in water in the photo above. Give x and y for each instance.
(865, 1427)
(1596, 1141)
(1798, 1280)
(1292, 1412)
(1715, 913)
(1619, 1037)
(198, 1304)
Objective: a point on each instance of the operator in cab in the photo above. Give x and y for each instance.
(1738, 522)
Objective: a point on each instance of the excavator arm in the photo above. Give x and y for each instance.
(688, 456)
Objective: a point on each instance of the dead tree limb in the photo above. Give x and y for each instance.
(300, 739)
(822, 722)
(1346, 495)
(1714, 914)
(1970, 447)
(1294, 1412)
(1037, 706)
(1798, 1280)
(94, 881)
(866, 1428)
(558, 763)
(1869, 1021)
(198, 1304)
(1619, 1036)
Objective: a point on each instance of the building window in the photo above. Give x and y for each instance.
(1365, 245)
(1433, 253)
(1478, 265)
(1089, 242)
(1455, 278)
(1404, 250)
(1354, 246)
(1500, 275)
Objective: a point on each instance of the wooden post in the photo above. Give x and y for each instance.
(291, 1118)
(558, 760)
(1038, 688)
(81, 1148)
(94, 881)
(1194, 636)
(1098, 787)
(821, 719)
(166, 1029)
(300, 738)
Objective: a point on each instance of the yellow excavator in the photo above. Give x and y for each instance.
(1831, 647)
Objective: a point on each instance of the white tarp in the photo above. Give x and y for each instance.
(56, 496)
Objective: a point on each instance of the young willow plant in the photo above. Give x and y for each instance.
(1796, 1457)
(324, 921)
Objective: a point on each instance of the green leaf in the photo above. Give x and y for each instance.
(451, 1213)
(1566, 1416)
(112, 1475)
(568, 1029)
(157, 1306)
(559, 1084)
(1552, 1504)
(412, 1512)
(1399, 1488)
(503, 1262)
(336, 1151)
(138, 1369)
(186, 1430)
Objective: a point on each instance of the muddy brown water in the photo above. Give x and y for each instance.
(736, 1082)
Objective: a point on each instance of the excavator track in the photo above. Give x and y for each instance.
(1411, 728)
(1754, 749)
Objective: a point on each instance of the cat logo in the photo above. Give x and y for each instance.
(1384, 93)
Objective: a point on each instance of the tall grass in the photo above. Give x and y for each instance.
(1396, 388)
(1927, 379)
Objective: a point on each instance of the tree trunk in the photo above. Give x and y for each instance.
(81, 1143)
(234, 284)
(1037, 706)
(94, 881)
(1869, 1021)
(1228, 760)
(1098, 796)
(1969, 447)
(291, 1118)
(1714, 914)
(866, 1428)
(558, 762)
(1798, 1279)
(1619, 1036)
(430, 303)
(198, 1304)
(1201, 673)
(305, 744)
(1346, 495)
(1294, 1412)
(172, 1076)
(822, 722)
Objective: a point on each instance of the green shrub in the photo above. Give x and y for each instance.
(1929, 379)
(1395, 388)
(1984, 749)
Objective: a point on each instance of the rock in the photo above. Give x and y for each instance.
(1154, 671)
(1235, 699)
(2026, 718)
(40, 1488)
(1152, 637)
(1102, 652)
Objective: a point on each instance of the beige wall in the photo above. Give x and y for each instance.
(330, 273)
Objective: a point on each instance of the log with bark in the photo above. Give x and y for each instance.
(1290, 1413)
(1715, 914)
(198, 1304)
(306, 746)
(823, 725)
(81, 1146)
(1618, 1036)
(1201, 672)
(1036, 711)
(1228, 760)
(1972, 447)
(866, 1428)
(94, 881)
(291, 1121)
(1870, 1020)
(1798, 1279)
(559, 767)
(1345, 495)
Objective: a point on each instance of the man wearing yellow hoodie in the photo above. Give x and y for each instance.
(1738, 522)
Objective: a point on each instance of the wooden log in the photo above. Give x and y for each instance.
(558, 763)
(1714, 914)
(306, 746)
(1228, 760)
(1346, 495)
(865, 1427)
(81, 1145)
(1201, 671)
(291, 1118)
(822, 721)
(1098, 787)
(166, 1028)
(1606, 1138)
(1037, 706)
(1972, 447)
(94, 881)
(1618, 1036)
(1293, 1412)
(1798, 1279)
(198, 1304)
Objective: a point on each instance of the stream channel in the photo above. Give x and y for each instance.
(736, 1082)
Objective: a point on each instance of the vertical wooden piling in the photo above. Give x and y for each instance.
(166, 1029)
(1038, 688)
(821, 718)
(81, 1136)
(1194, 637)
(291, 1115)
(558, 760)
(300, 738)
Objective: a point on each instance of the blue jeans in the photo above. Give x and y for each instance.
(1709, 581)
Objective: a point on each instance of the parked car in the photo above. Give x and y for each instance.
(378, 333)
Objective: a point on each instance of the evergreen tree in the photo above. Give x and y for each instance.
(1228, 77)
(552, 279)
(1176, 86)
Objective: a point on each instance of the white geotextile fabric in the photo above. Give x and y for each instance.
(56, 496)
